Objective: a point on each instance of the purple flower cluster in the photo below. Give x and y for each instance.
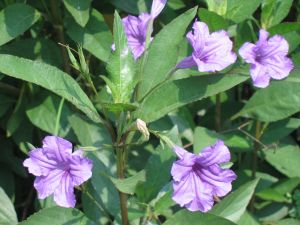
(198, 178)
(58, 170)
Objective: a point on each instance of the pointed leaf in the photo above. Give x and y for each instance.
(177, 93)
(16, 19)
(234, 205)
(162, 56)
(121, 66)
(95, 37)
(186, 217)
(57, 215)
(79, 9)
(50, 78)
(7, 211)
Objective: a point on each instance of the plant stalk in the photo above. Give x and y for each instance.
(218, 125)
(58, 25)
(122, 196)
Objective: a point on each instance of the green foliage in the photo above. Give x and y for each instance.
(50, 78)
(57, 216)
(15, 19)
(7, 211)
(121, 67)
(53, 53)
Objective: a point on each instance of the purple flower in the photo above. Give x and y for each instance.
(211, 52)
(268, 59)
(58, 170)
(198, 178)
(136, 28)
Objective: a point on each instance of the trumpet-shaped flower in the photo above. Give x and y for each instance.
(136, 28)
(198, 178)
(58, 170)
(211, 52)
(268, 59)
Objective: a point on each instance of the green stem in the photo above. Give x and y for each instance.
(254, 158)
(58, 25)
(256, 148)
(122, 196)
(218, 125)
(58, 116)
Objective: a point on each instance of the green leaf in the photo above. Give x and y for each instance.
(5, 103)
(121, 66)
(214, 21)
(203, 138)
(89, 133)
(278, 101)
(177, 93)
(131, 6)
(104, 167)
(235, 10)
(162, 56)
(288, 222)
(186, 217)
(279, 129)
(8, 215)
(93, 208)
(248, 219)
(43, 112)
(274, 11)
(234, 205)
(285, 160)
(239, 10)
(80, 10)
(57, 216)
(129, 184)
(35, 49)
(16, 19)
(95, 37)
(50, 78)
(217, 6)
(271, 195)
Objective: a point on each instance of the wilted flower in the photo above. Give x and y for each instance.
(136, 27)
(58, 170)
(211, 52)
(268, 59)
(198, 178)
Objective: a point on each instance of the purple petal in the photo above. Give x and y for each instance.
(215, 63)
(188, 62)
(200, 34)
(247, 52)
(179, 171)
(183, 191)
(216, 154)
(157, 7)
(259, 75)
(193, 194)
(57, 148)
(220, 179)
(263, 36)
(38, 164)
(80, 168)
(46, 185)
(64, 193)
(279, 67)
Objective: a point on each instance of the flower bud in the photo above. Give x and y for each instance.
(142, 127)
